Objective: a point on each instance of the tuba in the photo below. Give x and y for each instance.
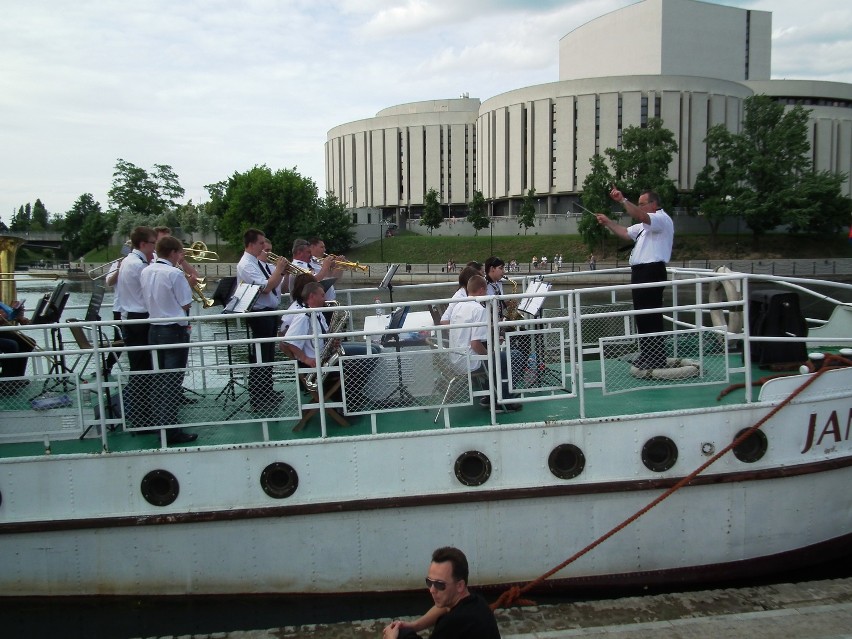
(8, 250)
(331, 350)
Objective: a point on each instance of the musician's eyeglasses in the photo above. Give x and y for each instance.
(438, 585)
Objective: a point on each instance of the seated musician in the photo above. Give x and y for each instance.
(297, 295)
(474, 339)
(299, 335)
(466, 273)
(13, 343)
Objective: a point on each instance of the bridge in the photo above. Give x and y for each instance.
(40, 239)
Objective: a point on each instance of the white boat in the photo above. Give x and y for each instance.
(92, 505)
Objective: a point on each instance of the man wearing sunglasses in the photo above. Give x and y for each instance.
(457, 613)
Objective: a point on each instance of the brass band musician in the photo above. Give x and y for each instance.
(251, 270)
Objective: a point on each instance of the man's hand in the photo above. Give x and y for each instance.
(616, 195)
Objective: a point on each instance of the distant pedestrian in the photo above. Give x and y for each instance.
(593, 263)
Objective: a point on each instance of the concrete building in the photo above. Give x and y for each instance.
(697, 65)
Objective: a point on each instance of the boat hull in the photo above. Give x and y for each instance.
(368, 510)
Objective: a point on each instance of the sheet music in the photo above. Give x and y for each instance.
(243, 298)
(532, 305)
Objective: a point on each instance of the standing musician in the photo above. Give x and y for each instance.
(168, 296)
(251, 270)
(303, 258)
(318, 263)
(191, 272)
(129, 288)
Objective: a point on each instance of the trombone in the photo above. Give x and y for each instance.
(103, 270)
(199, 253)
(351, 266)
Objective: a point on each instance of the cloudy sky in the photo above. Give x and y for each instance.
(217, 86)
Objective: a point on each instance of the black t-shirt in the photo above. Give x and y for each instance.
(470, 618)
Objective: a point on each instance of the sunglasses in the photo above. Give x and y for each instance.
(438, 585)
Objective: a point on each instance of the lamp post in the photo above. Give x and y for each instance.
(382, 238)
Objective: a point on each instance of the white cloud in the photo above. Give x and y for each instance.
(218, 86)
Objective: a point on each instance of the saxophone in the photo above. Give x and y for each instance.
(511, 310)
(331, 350)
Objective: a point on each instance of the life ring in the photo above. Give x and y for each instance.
(728, 289)
(676, 368)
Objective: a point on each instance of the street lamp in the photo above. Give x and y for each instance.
(382, 238)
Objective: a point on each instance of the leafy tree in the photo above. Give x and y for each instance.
(432, 216)
(85, 226)
(139, 195)
(643, 161)
(526, 216)
(757, 173)
(476, 215)
(22, 220)
(40, 217)
(595, 198)
(818, 205)
(278, 203)
(332, 223)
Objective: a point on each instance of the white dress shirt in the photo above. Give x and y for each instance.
(128, 287)
(166, 292)
(250, 270)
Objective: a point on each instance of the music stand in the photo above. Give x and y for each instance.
(397, 320)
(48, 311)
(386, 280)
(241, 301)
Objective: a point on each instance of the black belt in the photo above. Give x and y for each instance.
(639, 267)
(131, 315)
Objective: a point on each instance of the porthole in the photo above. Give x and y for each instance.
(566, 461)
(160, 488)
(473, 468)
(659, 454)
(279, 480)
(753, 448)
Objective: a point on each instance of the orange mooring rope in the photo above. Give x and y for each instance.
(513, 594)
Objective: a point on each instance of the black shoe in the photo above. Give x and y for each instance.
(180, 437)
(508, 408)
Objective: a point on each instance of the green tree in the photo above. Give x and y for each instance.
(643, 161)
(432, 216)
(332, 223)
(595, 198)
(22, 220)
(477, 215)
(818, 205)
(85, 227)
(274, 202)
(149, 198)
(757, 172)
(526, 216)
(40, 217)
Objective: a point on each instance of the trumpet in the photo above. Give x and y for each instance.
(13, 277)
(103, 270)
(198, 291)
(350, 266)
(199, 253)
(291, 268)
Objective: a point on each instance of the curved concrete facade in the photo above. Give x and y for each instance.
(543, 137)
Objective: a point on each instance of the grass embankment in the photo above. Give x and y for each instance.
(419, 249)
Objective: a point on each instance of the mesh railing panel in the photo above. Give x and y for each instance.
(692, 358)
(182, 397)
(410, 379)
(538, 362)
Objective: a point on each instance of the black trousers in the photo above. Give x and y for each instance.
(650, 348)
(260, 377)
(138, 391)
